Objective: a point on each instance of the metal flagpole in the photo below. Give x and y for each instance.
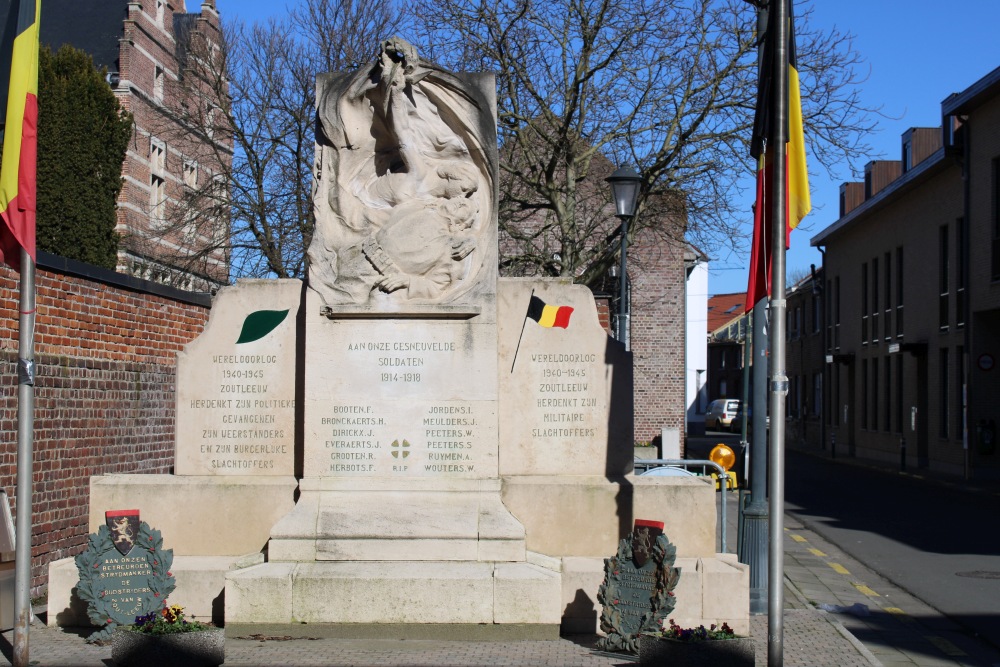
(25, 446)
(777, 203)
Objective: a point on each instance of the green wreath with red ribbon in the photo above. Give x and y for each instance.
(158, 584)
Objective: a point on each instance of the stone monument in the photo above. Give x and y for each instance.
(400, 518)
(408, 445)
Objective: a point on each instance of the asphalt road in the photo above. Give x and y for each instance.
(940, 544)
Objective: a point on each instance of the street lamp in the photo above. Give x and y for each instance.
(625, 191)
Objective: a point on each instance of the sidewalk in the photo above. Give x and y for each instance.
(812, 638)
(898, 630)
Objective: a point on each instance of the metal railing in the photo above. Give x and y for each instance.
(647, 464)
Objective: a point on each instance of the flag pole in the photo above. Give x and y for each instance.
(523, 324)
(777, 202)
(25, 446)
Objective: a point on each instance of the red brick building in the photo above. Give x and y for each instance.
(150, 49)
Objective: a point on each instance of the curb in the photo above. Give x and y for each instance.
(829, 618)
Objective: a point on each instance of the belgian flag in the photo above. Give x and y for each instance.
(19, 58)
(549, 316)
(797, 203)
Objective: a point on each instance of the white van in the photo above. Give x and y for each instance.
(720, 413)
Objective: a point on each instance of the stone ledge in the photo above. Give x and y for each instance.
(471, 632)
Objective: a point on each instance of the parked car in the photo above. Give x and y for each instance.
(720, 413)
(736, 425)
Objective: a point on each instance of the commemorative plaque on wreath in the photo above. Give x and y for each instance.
(637, 592)
(124, 573)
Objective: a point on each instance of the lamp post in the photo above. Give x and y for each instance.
(625, 191)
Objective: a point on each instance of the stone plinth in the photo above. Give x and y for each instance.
(201, 582)
(405, 593)
(199, 516)
(384, 520)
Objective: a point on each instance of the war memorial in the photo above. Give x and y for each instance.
(406, 444)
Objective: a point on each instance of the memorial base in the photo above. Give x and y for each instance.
(404, 593)
(364, 519)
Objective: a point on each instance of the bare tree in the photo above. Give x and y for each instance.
(252, 97)
(667, 86)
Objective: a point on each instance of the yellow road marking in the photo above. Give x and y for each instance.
(900, 615)
(867, 591)
(816, 552)
(838, 568)
(945, 646)
(798, 538)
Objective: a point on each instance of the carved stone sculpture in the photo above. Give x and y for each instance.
(404, 184)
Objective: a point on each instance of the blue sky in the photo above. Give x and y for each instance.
(916, 52)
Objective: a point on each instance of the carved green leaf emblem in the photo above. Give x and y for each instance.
(260, 323)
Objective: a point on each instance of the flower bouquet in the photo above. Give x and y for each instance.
(167, 638)
(714, 646)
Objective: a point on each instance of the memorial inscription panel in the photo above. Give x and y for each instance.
(236, 388)
(558, 385)
(402, 399)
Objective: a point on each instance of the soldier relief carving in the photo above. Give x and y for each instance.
(404, 184)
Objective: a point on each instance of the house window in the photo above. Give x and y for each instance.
(817, 397)
(907, 155)
(887, 421)
(817, 305)
(828, 304)
(835, 398)
(157, 182)
(864, 303)
(190, 174)
(899, 292)
(157, 198)
(944, 393)
(157, 156)
(875, 332)
(960, 399)
(995, 220)
(874, 395)
(158, 83)
(887, 313)
(960, 255)
(836, 313)
(899, 393)
(864, 393)
(943, 269)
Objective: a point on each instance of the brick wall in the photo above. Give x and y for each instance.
(105, 348)
(656, 270)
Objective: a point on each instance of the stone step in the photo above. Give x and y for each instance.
(393, 592)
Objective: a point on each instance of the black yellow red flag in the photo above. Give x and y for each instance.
(17, 171)
(797, 175)
(549, 316)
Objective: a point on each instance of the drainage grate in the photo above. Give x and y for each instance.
(979, 574)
